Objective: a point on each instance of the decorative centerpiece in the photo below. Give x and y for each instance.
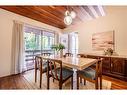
(59, 48)
(108, 51)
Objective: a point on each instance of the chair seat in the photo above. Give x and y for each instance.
(66, 73)
(88, 73)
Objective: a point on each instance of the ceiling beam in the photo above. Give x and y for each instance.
(93, 10)
(100, 10)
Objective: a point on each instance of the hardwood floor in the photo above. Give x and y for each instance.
(116, 83)
(26, 81)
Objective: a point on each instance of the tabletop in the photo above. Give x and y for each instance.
(73, 62)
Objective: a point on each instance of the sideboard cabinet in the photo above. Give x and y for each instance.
(113, 66)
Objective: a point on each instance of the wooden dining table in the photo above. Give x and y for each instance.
(76, 63)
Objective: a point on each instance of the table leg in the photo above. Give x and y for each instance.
(75, 79)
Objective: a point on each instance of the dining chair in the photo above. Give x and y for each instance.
(93, 57)
(46, 54)
(81, 55)
(59, 73)
(91, 75)
(40, 65)
(68, 55)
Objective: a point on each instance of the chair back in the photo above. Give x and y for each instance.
(38, 61)
(54, 71)
(68, 54)
(82, 55)
(46, 54)
(99, 67)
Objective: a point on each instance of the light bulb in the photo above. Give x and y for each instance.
(68, 20)
(67, 13)
(73, 14)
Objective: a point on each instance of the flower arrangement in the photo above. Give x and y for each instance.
(59, 48)
(108, 51)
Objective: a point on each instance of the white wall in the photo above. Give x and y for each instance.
(115, 19)
(6, 24)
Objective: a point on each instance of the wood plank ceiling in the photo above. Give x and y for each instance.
(54, 15)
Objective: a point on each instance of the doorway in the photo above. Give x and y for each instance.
(73, 43)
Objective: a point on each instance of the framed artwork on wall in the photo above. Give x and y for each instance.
(103, 40)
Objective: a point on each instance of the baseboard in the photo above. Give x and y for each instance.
(9, 76)
(16, 74)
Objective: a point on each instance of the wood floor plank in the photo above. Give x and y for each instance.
(11, 83)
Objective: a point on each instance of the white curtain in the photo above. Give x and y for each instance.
(17, 54)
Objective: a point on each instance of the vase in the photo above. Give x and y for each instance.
(61, 53)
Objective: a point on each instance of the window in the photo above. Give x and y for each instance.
(37, 41)
(48, 40)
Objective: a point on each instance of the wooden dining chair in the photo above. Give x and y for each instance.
(46, 54)
(68, 55)
(92, 75)
(59, 73)
(81, 55)
(40, 65)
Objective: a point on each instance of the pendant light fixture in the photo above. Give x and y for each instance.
(69, 16)
(73, 14)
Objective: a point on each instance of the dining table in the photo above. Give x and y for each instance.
(74, 62)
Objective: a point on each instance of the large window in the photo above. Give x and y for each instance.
(37, 41)
(47, 40)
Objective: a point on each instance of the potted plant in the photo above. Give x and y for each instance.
(59, 48)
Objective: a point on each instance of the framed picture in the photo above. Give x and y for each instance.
(103, 40)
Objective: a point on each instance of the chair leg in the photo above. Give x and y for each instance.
(60, 85)
(48, 82)
(100, 82)
(53, 79)
(40, 79)
(84, 82)
(96, 83)
(35, 72)
(72, 82)
(80, 80)
(77, 81)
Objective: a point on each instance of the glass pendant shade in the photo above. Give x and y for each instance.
(73, 14)
(68, 20)
(69, 16)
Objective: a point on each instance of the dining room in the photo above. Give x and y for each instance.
(54, 47)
